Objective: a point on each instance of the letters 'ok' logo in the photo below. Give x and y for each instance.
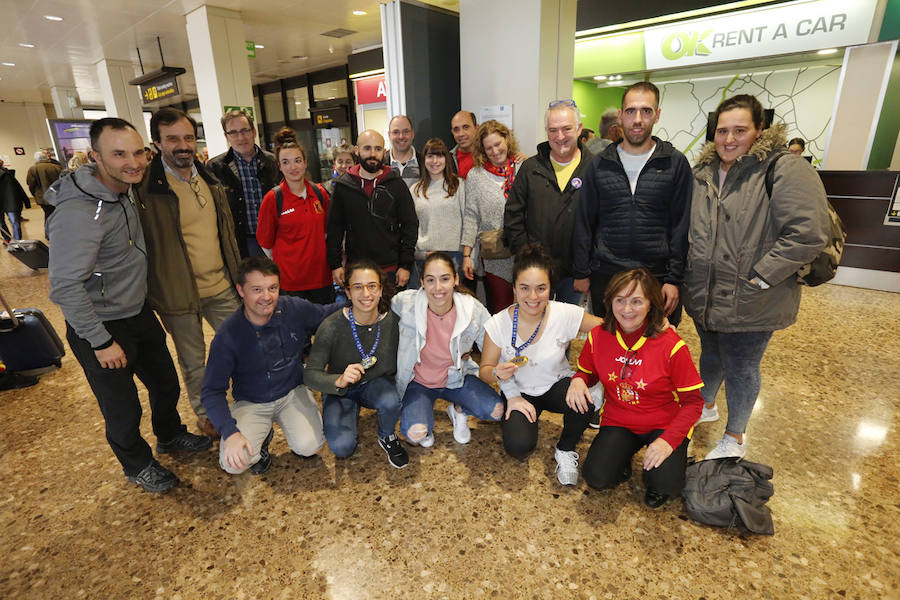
(685, 44)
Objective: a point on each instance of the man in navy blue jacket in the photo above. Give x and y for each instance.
(259, 348)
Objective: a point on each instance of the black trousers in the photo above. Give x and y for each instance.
(611, 452)
(144, 342)
(520, 437)
(598, 287)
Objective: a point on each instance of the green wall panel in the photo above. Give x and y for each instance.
(888, 122)
(593, 100)
(610, 55)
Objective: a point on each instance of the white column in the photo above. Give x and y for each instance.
(531, 44)
(857, 105)
(392, 47)
(121, 99)
(221, 68)
(66, 102)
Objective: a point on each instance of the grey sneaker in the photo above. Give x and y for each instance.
(265, 459)
(709, 414)
(566, 466)
(155, 478)
(396, 453)
(185, 442)
(727, 447)
(461, 432)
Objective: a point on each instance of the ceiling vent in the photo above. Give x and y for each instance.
(339, 33)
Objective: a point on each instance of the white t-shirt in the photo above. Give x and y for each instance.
(547, 362)
(633, 164)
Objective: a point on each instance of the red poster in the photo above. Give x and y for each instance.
(371, 90)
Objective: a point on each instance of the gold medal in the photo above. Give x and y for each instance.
(368, 362)
(519, 360)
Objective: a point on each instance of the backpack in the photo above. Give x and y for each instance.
(824, 266)
(279, 199)
(729, 492)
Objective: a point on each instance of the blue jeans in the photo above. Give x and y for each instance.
(418, 271)
(564, 291)
(341, 413)
(734, 358)
(14, 225)
(474, 396)
(253, 247)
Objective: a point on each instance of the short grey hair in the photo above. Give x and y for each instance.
(609, 118)
(39, 156)
(573, 109)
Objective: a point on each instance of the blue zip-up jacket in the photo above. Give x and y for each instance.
(263, 364)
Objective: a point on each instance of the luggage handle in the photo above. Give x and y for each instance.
(9, 310)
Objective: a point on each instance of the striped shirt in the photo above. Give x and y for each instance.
(253, 192)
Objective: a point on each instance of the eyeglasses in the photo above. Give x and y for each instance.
(237, 132)
(195, 187)
(568, 102)
(627, 366)
(359, 287)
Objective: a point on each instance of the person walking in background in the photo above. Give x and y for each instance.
(745, 250)
(40, 177)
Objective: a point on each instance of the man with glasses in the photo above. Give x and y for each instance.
(192, 253)
(543, 199)
(403, 158)
(247, 172)
(372, 215)
(635, 207)
(257, 350)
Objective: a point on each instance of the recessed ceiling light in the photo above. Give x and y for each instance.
(259, 46)
(827, 51)
(359, 13)
(7, 64)
(600, 78)
(53, 18)
(27, 45)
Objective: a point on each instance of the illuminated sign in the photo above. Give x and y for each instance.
(159, 89)
(371, 90)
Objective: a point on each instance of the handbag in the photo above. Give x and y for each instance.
(492, 245)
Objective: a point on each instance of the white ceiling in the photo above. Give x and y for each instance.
(66, 52)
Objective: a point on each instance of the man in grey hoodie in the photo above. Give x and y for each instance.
(98, 277)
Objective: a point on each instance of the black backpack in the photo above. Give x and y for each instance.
(279, 199)
(729, 492)
(824, 267)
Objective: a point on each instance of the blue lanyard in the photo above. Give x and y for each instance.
(359, 345)
(515, 330)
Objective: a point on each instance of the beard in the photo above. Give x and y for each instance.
(637, 139)
(183, 160)
(371, 164)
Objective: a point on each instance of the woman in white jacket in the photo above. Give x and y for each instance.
(438, 327)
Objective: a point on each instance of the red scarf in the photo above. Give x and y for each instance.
(507, 170)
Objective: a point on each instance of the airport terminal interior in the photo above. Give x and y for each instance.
(468, 521)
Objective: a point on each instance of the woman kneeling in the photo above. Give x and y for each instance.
(651, 390)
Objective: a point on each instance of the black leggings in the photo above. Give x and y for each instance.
(520, 436)
(610, 456)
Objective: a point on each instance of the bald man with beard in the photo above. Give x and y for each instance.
(372, 215)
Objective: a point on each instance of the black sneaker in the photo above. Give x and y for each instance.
(15, 381)
(655, 499)
(595, 420)
(265, 459)
(397, 455)
(155, 478)
(184, 442)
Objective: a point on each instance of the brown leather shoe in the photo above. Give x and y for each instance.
(206, 427)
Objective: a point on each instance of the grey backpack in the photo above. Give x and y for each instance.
(730, 492)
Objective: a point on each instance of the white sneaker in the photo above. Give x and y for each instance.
(461, 432)
(728, 446)
(566, 467)
(428, 440)
(709, 414)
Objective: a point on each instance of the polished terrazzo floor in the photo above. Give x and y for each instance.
(465, 521)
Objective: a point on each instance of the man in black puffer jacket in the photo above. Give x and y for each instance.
(635, 206)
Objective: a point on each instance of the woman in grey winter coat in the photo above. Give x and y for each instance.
(745, 250)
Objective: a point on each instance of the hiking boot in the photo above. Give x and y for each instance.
(728, 446)
(154, 478)
(184, 442)
(461, 432)
(396, 454)
(265, 459)
(566, 466)
(709, 414)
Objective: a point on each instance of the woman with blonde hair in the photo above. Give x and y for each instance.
(487, 188)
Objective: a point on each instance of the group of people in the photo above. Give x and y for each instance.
(250, 244)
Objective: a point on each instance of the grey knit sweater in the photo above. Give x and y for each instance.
(485, 203)
(440, 217)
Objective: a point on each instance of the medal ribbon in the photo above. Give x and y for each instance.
(359, 345)
(515, 330)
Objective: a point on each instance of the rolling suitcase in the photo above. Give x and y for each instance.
(33, 253)
(28, 342)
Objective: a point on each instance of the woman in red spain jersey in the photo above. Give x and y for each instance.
(651, 390)
(295, 236)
